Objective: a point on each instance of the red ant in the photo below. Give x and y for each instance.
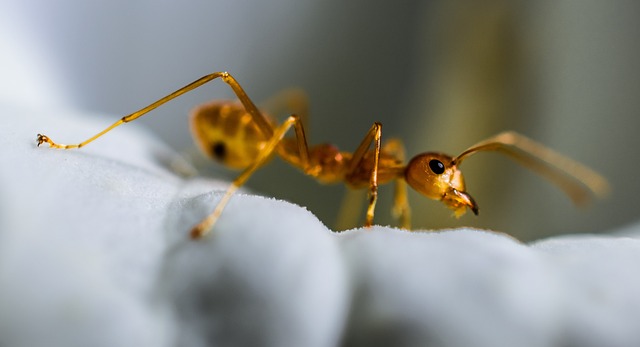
(242, 137)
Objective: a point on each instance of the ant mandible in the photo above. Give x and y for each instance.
(241, 137)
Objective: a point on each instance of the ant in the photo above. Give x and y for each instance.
(240, 136)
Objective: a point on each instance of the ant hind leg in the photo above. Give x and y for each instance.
(204, 227)
(257, 117)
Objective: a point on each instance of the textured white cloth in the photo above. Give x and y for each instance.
(94, 251)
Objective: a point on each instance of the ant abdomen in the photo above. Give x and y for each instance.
(224, 131)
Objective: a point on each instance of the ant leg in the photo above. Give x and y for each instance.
(349, 211)
(202, 228)
(291, 101)
(373, 135)
(560, 170)
(226, 77)
(401, 209)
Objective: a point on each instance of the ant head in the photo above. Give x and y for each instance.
(437, 177)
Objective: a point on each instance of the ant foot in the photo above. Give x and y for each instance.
(197, 232)
(42, 139)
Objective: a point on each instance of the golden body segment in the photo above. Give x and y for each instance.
(240, 136)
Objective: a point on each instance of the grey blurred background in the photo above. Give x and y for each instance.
(441, 75)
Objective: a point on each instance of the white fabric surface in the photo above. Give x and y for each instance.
(94, 251)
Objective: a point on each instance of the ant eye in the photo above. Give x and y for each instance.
(436, 166)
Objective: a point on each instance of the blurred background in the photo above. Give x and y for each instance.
(441, 75)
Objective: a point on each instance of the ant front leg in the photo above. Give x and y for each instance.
(373, 135)
(204, 227)
(257, 117)
(401, 209)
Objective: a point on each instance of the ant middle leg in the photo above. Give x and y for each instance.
(373, 135)
(205, 226)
